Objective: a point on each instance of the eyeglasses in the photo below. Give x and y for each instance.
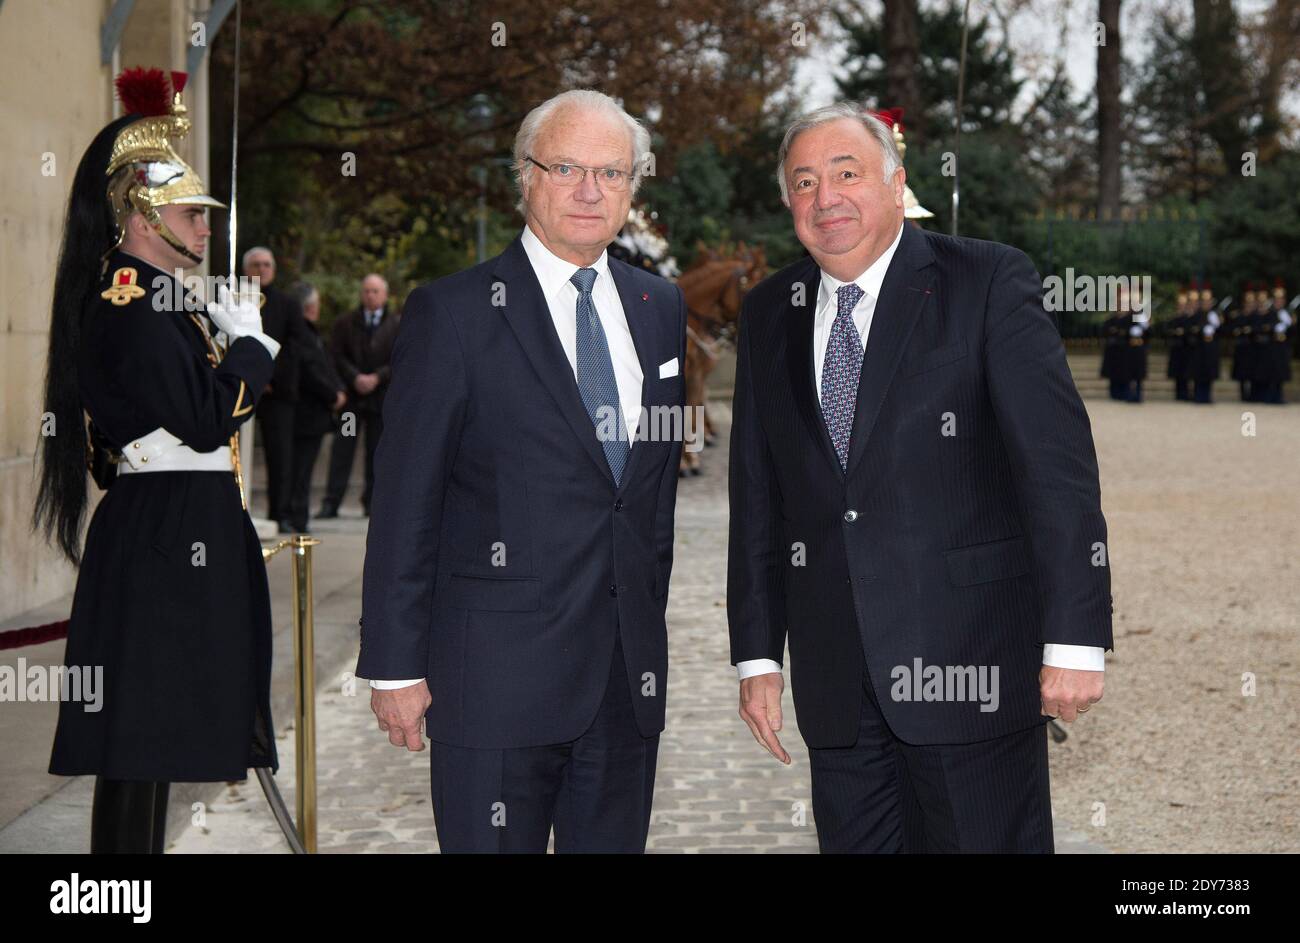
(570, 175)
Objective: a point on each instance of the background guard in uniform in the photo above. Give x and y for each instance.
(1203, 336)
(1135, 325)
(1275, 358)
(1176, 332)
(171, 598)
(1239, 327)
(1113, 359)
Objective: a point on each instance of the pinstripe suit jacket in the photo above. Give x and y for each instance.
(967, 529)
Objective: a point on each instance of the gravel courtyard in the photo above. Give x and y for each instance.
(1204, 535)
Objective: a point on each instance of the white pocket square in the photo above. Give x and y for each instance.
(668, 369)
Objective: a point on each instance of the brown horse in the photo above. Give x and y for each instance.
(714, 288)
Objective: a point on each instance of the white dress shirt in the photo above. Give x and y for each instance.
(1086, 657)
(553, 274)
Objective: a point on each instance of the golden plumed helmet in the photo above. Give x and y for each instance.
(912, 208)
(144, 169)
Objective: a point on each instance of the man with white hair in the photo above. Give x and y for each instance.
(362, 345)
(282, 320)
(915, 507)
(521, 531)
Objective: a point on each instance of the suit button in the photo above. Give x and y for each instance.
(618, 505)
(613, 590)
(850, 515)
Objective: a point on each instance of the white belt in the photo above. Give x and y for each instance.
(162, 451)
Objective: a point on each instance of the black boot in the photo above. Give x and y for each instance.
(128, 817)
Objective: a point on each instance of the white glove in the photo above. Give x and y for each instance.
(240, 317)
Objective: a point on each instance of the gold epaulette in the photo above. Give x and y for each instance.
(122, 289)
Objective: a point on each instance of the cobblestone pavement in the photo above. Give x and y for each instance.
(717, 790)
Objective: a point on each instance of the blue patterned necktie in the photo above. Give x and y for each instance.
(840, 372)
(596, 380)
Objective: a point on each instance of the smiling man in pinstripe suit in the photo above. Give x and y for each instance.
(915, 507)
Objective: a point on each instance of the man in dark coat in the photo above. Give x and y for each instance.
(519, 555)
(320, 396)
(281, 319)
(915, 508)
(362, 345)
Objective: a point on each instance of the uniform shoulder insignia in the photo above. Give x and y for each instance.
(123, 288)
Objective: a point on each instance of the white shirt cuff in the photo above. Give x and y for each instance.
(756, 666)
(1078, 657)
(394, 685)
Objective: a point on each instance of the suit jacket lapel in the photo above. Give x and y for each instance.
(643, 324)
(799, 320)
(903, 294)
(528, 315)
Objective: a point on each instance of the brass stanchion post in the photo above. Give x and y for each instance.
(304, 656)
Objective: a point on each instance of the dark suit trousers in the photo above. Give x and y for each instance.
(305, 450)
(342, 453)
(275, 416)
(884, 795)
(596, 791)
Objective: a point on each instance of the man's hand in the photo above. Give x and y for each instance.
(760, 708)
(365, 382)
(340, 399)
(1069, 692)
(401, 713)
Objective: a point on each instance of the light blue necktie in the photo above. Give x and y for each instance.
(840, 372)
(596, 380)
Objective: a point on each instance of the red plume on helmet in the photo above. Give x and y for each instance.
(891, 116)
(145, 92)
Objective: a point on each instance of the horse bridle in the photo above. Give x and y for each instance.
(718, 329)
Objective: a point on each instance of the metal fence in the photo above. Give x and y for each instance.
(1171, 247)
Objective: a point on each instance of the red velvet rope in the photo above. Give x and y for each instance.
(34, 635)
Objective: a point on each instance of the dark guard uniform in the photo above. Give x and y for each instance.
(171, 613)
(1275, 355)
(1260, 362)
(1135, 329)
(1114, 366)
(1203, 337)
(1239, 327)
(1176, 332)
(172, 597)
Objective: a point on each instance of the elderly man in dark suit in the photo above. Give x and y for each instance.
(362, 346)
(282, 317)
(915, 508)
(521, 543)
